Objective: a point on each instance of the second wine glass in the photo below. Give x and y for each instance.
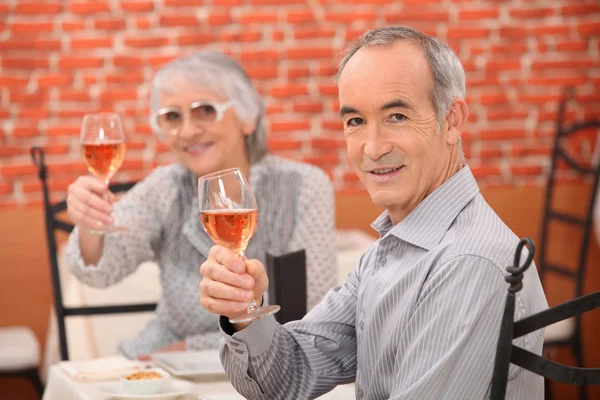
(103, 150)
(230, 215)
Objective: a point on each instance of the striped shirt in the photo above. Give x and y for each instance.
(418, 318)
(296, 211)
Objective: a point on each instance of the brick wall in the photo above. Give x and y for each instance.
(59, 60)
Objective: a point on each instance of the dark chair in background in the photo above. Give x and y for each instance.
(287, 285)
(20, 355)
(507, 353)
(55, 224)
(568, 332)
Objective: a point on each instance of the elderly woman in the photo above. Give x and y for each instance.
(207, 111)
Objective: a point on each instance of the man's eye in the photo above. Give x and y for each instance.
(397, 117)
(355, 121)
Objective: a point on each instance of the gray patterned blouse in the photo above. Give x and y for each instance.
(296, 211)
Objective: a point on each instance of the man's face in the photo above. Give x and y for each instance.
(390, 125)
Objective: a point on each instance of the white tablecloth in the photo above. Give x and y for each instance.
(61, 386)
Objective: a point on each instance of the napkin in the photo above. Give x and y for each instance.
(100, 369)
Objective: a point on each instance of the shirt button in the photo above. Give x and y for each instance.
(359, 393)
(234, 344)
(382, 261)
(361, 325)
(239, 351)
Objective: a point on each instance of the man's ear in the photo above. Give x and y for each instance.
(456, 118)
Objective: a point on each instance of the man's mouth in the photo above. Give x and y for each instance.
(384, 171)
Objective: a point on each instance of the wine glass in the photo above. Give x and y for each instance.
(229, 214)
(103, 149)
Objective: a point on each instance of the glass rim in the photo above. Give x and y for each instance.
(220, 173)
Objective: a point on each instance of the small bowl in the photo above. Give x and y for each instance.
(145, 381)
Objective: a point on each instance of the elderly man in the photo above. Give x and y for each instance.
(419, 317)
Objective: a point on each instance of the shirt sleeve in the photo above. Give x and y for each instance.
(448, 347)
(300, 360)
(124, 252)
(315, 233)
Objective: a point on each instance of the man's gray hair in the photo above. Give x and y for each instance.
(446, 69)
(220, 74)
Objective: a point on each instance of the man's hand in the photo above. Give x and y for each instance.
(229, 283)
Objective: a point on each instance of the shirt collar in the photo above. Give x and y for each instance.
(430, 220)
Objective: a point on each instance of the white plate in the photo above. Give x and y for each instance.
(191, 364)
(173, 390)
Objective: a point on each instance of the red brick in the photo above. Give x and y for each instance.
(504, 65)
(558, 81)
(259, 55)
(539, 99)
(300, 72)
(13, 82)
(160, 60)
(258, 17)
(300, 17)
(467, 33)
(531, 12)
(328, 143)
(275, 2)
(91, 43)
(120, 95)
(132, 164)
(75, 113)
(289, 91)
(195, 39)
(580, 45)
(33, 113)
(551, 30)
(127, 61)
(328, 70)
(38, 44)
(334, 125)
(581, 63)
(523, 151)
(70, 26)
(486, 154)
(502, 134)
(274, 109)
(25, 132)
(227, 3)
(289, 126)
(73, 62)
(314, 33)
(41, 7)
(14, 171)
(277, 35)
(351, 177)
(57, 149)
(262, 72)
(37, 98)
(89, 7)
(477, 14)
(328, 89)
(485, 171)
(9, 151)
(184, 3)
(137, 6)
(507, 115)
(24, 63)
(589, 29)
(308, 53)
(494, 98)
(90, 79)
(307, 107)
(513, 32)
(18, 28)
(246, 36)
(5, 8)
(323, 159)
(143, 23)
(349, 17)
(215, 18)
(143, 42)
(526, 169)
(284, 144)
(75, 95)
(178, 20)
(114, 24)
(415, 15)
(552, 116)
(579, 9)
(510, 48)
(365, 1)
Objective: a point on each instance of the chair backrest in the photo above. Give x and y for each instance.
(55, 224)
(507, 353)
(560, 153)
(287, 287)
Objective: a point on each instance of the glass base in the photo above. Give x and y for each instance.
(108, 230)
(256, 314)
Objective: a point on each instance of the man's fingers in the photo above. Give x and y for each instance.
(219, 273)
(222, 291)
(223, 307)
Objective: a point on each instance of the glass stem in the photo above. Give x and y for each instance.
(252, 303)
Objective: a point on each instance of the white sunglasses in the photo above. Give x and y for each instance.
(169, 120)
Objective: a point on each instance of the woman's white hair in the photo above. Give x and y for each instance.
(220, 74)
(446, 69)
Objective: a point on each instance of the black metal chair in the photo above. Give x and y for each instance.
(53, 224)
(507, 353)
(569, 332)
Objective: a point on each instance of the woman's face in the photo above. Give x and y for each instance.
(203, 143)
